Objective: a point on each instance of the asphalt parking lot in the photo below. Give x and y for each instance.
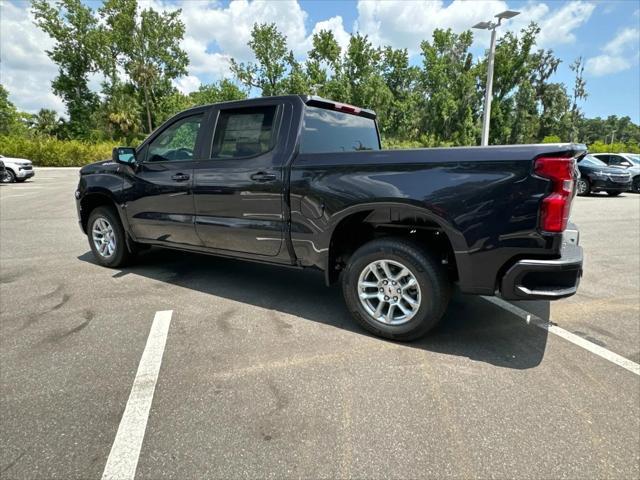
(264, 375)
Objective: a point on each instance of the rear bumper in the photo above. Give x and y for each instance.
(546, 279)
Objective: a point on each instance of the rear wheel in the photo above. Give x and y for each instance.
(613, 193)
(107, 238)
(584, 187)
(395, 289)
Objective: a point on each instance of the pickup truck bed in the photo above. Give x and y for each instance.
(302, 181)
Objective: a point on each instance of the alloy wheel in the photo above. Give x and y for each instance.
(582, 187)
(389, 292)
(104, 238)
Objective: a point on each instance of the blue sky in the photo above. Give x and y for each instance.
(606, 34)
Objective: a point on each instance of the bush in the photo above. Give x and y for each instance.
(424, 141)
(601, 147)
(51, 152)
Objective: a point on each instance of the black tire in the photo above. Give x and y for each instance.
(21, 180)
(9, 177)
(613, 193)
(121, 254)
(584, 189)
(636, 186)
(435, 287)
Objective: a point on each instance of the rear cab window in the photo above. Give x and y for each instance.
(244, 132)
(331, 131)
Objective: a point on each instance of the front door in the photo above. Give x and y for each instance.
(160, 205)
(238, 190)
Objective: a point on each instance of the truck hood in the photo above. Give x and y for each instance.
(103, 166)
(18, 161)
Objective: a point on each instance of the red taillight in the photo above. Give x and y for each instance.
(555, 209)
(343, 107)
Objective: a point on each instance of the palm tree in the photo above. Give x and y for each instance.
(46, 122)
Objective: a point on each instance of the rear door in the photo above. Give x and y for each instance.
(239, 187)
(160, 205)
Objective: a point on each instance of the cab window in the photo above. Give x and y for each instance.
(327, 131)
(244, 132)
(177, 142)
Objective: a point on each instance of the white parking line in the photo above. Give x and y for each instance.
(125, 451)
(571, 337)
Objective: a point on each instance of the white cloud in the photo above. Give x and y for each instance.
(559, 26)
(620, 54)
(606, 65)
(229, 29)
(203, 62)
(187, 84)
(404, 24)
(26, 71)
(627, 37)
(217, 32)
(335, 25)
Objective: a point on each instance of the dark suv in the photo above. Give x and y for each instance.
(628, 161)
(597, 176)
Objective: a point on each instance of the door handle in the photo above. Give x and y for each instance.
(263, 177)
(180, 177)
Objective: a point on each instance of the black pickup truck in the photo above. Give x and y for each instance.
(302, 182)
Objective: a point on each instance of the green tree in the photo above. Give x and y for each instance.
(402, 81)
(268, 72)
(122, 113)
(11, 120)
(448, 80)
(46, 122)
(73, 27)
(147, 46)
(579, 94)
(554, 119)
(222, 91)
(524, 127)
(324, 67)
(513, 63)
(362, 81)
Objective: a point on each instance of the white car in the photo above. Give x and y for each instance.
(17, 169)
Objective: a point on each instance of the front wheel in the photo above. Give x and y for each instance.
(612, 193)
(584, 188)
(636, 186)
(107, 238)
(395, 289)
(8, 177)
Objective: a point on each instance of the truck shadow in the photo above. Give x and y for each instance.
(472, 327)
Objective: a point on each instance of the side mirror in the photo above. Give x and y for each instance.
(625, 164)
(124, 155)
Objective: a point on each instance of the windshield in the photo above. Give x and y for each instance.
(593, 161)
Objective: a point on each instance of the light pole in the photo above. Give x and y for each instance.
(507, 14)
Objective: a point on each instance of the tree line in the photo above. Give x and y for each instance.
(437, 101)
